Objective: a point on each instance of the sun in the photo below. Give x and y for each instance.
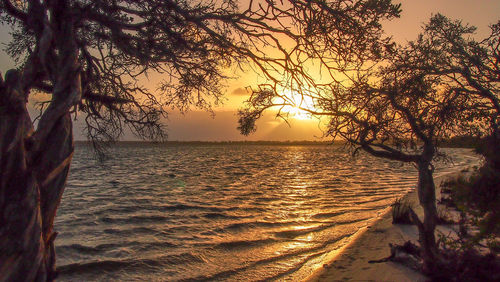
(297, 106)
(297, 113)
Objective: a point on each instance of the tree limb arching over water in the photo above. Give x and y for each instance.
(89, 57)
(399, 102)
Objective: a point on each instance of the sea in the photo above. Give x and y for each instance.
(221, 211)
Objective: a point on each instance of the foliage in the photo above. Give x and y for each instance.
(478, 200)
(468, 266)
(465, 262)
(443, 217)
(401, 102)
(488, 148)
(462, 141)
(401, 211)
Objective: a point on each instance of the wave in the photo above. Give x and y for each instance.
(81, 248)
(134, 219)
(231, 245)
(129, 264)
(183, 207)
(292, 233)
(130, 231)
(219, 215)
(102, 248)
(327, 214)
(240, 226)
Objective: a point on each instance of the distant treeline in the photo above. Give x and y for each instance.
(460, 142)
(196, 143)
(285, 143)
(454, 142)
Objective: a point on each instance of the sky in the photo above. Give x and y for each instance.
(201, 126)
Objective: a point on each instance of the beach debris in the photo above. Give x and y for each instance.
(407, 254)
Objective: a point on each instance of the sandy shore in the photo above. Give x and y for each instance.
(372, 243)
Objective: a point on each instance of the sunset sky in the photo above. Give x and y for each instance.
(196, 125)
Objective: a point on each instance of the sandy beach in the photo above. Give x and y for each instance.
(350, 263)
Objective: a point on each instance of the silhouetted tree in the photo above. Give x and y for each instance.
(399, 102)
(448, 49)
(90, 57)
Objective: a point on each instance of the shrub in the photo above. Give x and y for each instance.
(444, 217)
(401, 211)
(479, 199)
(468, 265)
(473, 255)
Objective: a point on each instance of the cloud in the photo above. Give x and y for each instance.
(240, 91)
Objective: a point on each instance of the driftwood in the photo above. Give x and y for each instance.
(407, 254)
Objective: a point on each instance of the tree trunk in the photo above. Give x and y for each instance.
(427, 198)
(21, 243)
(34, 165)
(31, 186)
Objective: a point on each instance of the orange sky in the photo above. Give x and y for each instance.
(197, 125)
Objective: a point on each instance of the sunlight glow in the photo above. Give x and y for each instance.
(297, 105)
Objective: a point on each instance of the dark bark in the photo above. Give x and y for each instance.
(21, 242)
(52, 166)
(427, 198)
(31, 186)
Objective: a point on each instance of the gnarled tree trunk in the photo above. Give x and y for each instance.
(34, 165)
(31, 186)
(427, 198)
(21, 242)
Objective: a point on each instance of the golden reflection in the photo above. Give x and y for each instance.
(304, 241)
(297, 193)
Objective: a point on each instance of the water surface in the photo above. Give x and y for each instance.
(218, 211)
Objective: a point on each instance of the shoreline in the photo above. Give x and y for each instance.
(350, 262)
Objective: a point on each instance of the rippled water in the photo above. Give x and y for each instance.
(219, 212)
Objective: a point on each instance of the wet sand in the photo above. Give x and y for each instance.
(372, 243)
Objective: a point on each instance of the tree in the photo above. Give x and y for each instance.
(90, 56)
(469, 70)
(448, 49)
(399, 102)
